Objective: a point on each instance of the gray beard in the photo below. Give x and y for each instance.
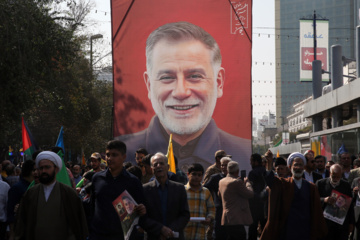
(333, 183)
(297, 175)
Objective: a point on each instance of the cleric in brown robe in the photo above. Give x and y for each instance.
(295, 211)
(50, 210)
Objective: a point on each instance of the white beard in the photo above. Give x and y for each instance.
(334, 183)
(297, 175)
(185, 125)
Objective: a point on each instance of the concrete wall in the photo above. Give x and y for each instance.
(335, 98)
(287, 149)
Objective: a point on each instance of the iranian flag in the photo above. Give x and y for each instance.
(29, 145)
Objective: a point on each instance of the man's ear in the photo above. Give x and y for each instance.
(147, 82)
(220, 79)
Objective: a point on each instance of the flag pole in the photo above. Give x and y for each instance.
(170, 156)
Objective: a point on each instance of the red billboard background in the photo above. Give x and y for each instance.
(132, 108)
(307, 57)
(133, 21)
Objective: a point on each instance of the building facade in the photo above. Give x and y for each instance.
(296, 120)
(343, 18)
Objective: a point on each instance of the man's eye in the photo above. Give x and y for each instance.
(195, 76)
(166, 78)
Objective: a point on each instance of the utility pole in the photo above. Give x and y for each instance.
(314, 26)
(264, 135)
(97, 36)
(282, 122)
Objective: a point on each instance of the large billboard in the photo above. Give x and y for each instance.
(183, 68)
(307, 48)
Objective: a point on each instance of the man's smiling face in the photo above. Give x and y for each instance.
(183, 85)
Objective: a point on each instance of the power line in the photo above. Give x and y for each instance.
(291, 37)
(100, 11)
(332, 28)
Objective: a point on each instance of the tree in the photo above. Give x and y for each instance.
(45, 76)
(33, 50)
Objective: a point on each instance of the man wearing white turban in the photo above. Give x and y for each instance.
(295, 211)
(50, 210)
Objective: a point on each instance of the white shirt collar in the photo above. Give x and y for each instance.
(157, 183)
(298, 182)
(48, 189)
(309, 176)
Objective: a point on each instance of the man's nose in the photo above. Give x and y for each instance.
(181, 90)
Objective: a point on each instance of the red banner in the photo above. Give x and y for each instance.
(205, 103)
(307, 57)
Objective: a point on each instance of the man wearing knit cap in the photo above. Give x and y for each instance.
(310, 167)
(295, 211)
(50, 210)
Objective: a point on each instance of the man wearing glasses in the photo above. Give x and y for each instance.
(309, 174)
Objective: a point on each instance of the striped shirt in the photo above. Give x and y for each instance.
(201, 204)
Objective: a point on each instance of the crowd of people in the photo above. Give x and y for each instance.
(300, 197)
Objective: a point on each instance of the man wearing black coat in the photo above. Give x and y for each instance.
(257, 203)
(325, 187)
(166, 203)
(320, 165)
(213, 186)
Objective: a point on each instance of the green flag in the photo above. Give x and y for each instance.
(63, 176)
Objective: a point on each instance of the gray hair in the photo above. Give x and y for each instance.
(336, 168)
(161, 156)
(225, 159)
(232, 167)
(181, 31)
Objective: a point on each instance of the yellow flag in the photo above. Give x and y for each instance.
(278, 154)
(103, 161)
(170, 156)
